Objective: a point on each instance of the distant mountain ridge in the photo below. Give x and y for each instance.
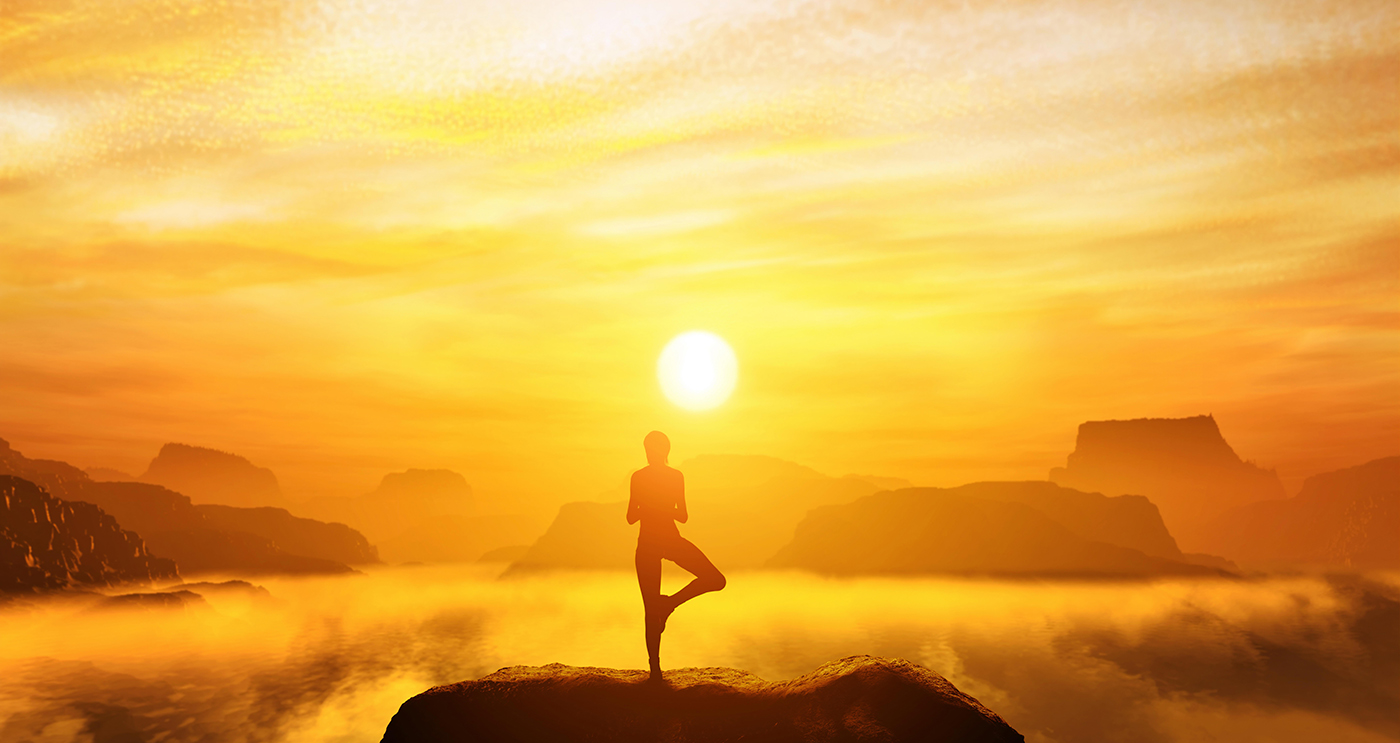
(1184, 465)
(205, 538)
(401, 501)
(47, 543)
(990, 528)
(1344, 518)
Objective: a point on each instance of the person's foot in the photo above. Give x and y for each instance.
(664, 607)
(655, 670)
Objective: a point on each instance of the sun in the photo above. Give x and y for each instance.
(697, 370)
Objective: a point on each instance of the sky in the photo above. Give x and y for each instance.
(348, 237)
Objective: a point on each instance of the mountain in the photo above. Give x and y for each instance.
(1345, 518)
(402, 500)
(203, 538)
(860, 699)
(583, 536)
(213, 538)
(212, 476)
(458, 538)
(1007, 529)
(1184, 465)
(742, 509)
(47, 542)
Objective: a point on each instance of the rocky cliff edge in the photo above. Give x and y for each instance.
(856, 699)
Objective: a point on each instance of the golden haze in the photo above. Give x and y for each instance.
(342, 239)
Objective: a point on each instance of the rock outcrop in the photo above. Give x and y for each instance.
(47, 543)
(1184, 465)
(742, 508)
(203, 538)
(852, 700)
(212, 476)
(995, 529)
(1346, 518)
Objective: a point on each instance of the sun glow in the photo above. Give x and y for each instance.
(697, 370)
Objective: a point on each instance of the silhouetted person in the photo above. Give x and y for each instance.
(658, 501)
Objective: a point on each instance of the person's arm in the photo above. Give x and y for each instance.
(634, 512)
(681, 515)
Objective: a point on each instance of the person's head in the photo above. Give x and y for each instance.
(657, 446)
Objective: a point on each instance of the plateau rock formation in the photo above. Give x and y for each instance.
(742, 509)
(1345, 518)
(46, 542)
(1002, 529)
(1183, 465)
(203, 538)
(212, 476)
(852, 700)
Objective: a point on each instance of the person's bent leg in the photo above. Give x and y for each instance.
(707, 576)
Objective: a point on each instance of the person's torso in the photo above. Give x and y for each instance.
(656, 490)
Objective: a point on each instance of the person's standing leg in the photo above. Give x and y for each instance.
(649, 580)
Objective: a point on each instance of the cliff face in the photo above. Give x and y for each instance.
(47, 543)
(1183, 465)
(959, 532)
(852, 700)
(211, 476)
(1345, 518)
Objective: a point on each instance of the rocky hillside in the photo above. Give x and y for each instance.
(212, 476)
(1184, 465)
(1345, 518)
(853, 700)
(46, 542)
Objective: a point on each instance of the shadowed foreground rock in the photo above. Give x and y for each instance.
(860, 698)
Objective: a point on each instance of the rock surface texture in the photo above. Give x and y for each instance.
(855, 699)
(48, 543)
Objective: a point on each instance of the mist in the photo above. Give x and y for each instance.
(1292, 658)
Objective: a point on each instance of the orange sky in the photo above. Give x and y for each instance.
(346, 237)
